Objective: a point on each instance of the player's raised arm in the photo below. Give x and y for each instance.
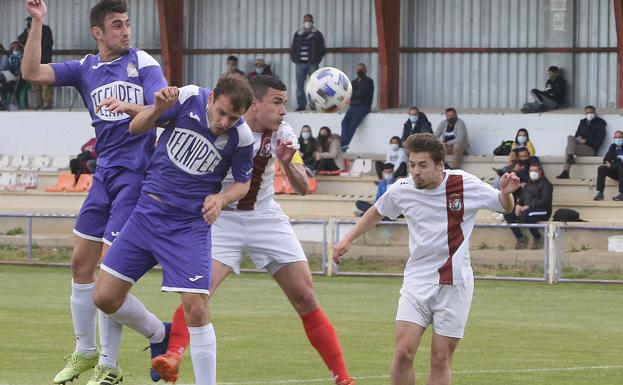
(32, 69)
(146, 119)
(292, 164)
(368, 221)
(214, 203)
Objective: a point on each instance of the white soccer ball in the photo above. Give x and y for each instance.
(328, 90)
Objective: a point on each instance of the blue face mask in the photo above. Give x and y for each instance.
(618, 141)
(259, 70)
(521, 139)
(413, 118)
(305, 135)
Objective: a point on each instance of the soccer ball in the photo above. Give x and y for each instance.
(328, 90)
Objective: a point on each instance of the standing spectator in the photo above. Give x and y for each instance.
(360, 104)
(396, 156)
(307, 147)
(588, 138)
(85, 162)
(43, 93)
(612, 168)
(11, 81)
(329, 154)
(453, 134)
(416, 124)
(306, 52)
(553, 96)
(261, 68)
(387, 180)
(534, 205)
(4, 58)
(232, 67)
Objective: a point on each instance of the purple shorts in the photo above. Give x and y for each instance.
(110, 202)
(160, 233)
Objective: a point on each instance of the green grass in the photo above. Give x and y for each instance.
(513, 327)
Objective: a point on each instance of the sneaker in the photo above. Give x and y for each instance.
(77, 363)
(522, 243)
(300, 109)
(159, 349)
(536, 243)
(167, 365)
(563, 175)
(599, 196)
(571, 159)
(618, 197)
(105, 375)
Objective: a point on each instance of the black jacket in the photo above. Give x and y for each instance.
(363, 91)
(307, 150)
(556, 89)
(422, 125)
(46, 43)
(537, 195)
(316, 46)
(611, 155)
(594, 132)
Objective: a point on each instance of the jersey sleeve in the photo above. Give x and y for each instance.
(67, 73)
(481, 195)
(151, 76)
(386, 205)
(242, 158)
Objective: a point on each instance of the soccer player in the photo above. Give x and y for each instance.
(440, 209)
(268, 235)
(204, 137)
(132, 77)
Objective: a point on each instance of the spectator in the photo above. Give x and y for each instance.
(522, 139)
(306, 52)
(43, 93)
(329, 156)
(360, 104)
(612, 168)
(387, 180)
(397, 156)
(519, 166)
(586, 141)
(416, 124)
(232, 67)
(11, 81)
(553, 96)
(307, 147)
(4, 58)
(453, 134)
(534, 205)
(85, 162)
(261, 68)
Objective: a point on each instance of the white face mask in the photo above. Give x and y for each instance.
(534, 175)
(394, 147)
(308, 24)
(387, 176)
(618, 141)
(521, 139)
(590, 116)
(305, 135)
(259, 70)
(413, 118)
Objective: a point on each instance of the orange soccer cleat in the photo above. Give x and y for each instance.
(167, 365)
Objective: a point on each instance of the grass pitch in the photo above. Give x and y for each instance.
(518, 333)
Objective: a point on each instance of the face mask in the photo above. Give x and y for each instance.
(590, 116)
(305, 135)
(522, 139)
(15, 52)
(452, 120)
(361, 74)
(413, 118)
(394, 146)
(259, 70)
(534, 175)
(308, 25)
(618, 141)
(387, 176)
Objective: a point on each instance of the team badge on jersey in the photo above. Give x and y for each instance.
(221, 141)
(132, 70)
(266, 147)
(455, 203)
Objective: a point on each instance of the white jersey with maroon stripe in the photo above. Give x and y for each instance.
(261, 192)
(440, 223)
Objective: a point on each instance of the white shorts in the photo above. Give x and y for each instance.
(266, 236)
(445, 306)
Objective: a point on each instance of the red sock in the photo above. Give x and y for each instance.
(322, 336)
(179, 337)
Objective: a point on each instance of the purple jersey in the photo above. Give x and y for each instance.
(190, 162)
(134, 78)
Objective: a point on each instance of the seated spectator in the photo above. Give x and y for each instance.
(396, 156)
(387, 180)
(453, 134)
(307, 148)
(533, 205)
(520, 166)
(261, 68)
(522, 139)
(612, 168)
(553, 96)
(416, 124)
(86, 161)
(586, 141)
(328, 155)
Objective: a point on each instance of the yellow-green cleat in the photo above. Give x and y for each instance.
(105, 375)
(77, 363)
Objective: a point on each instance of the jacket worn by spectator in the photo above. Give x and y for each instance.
(307, 150)
(46, 43)
(334, 152)
(421, 125)
(537, 195)
(611, 156)
(556, 89)
(363, 92)
(316, 46)
(594, 132)
(460, 133)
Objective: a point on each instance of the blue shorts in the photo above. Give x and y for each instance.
(110, 202)
(160, 233)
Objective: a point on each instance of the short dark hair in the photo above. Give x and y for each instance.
(232, 58)
(450, 109)
(590, 107)
(414, 108)
(261, 83)
(388, 165)
(522, 149)
(425, 142)
(238, 90)
(396, 137)
(105, 7)
(308, 15)
(553, 69)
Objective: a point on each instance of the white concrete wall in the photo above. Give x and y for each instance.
(62, 132)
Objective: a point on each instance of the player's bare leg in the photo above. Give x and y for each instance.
(408, 337)
(442, 349)
(202, 337)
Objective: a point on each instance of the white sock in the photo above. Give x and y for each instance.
(83, 313)
(203, 354)
(110, 339)
(134, 315)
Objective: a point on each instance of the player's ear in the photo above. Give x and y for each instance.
(97, 33)
(210, 100)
